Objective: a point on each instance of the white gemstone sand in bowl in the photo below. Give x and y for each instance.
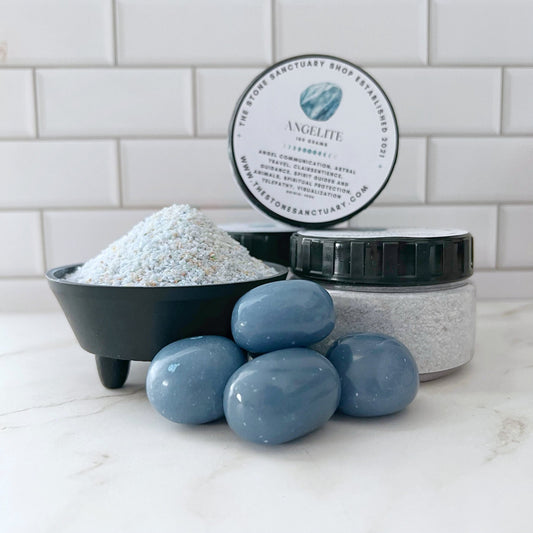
(178, 245)
(174, 275)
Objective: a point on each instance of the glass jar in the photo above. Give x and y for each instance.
(412, 284)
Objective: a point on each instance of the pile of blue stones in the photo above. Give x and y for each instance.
(267, 382)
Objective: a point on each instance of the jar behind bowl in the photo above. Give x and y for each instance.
(412, 284)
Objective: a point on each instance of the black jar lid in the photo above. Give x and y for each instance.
(389, 257)
(268, 241)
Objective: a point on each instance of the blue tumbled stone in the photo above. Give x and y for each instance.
(282, 314)
(281, 396)
(378, 374)
(186, 379)
(321, 100)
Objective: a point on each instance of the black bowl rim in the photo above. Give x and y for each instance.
(52, 277)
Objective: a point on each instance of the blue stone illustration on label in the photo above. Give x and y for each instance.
(320, 100)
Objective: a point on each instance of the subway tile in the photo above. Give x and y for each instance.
(16, 103)
(374, 32)
(515, 246)
(185, 32)
(443, 100)
(480, 221)
(75, 236)
(502, 284)
(57, 32)
(407, 183)
(493, 169)
(488, 32)
(58, 173)
(21, 244)
(218, 92)
(517, 101)
(26, 295)
(194, 171)
(88, 102)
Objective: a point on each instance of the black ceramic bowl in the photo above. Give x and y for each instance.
(119, 324)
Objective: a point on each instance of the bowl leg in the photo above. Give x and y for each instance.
(112, 372)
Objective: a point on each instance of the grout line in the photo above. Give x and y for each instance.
(120, 183)
(426, 184)
(35, 104)
(195, 99)
(428, 27)
(29, 277)
(212, 137)
(472, 203)
(154, 137)
(273, 29)
(261, 64)
(470, 135)
(114, 21)
(43, 239)
(88, 209)
(457, 204)
(473, 65)
(437, 66)
(141, 66)
(501, 99)
(388, 205)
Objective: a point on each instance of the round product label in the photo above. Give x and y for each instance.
(313, 140)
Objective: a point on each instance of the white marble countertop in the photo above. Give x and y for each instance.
(75, 457)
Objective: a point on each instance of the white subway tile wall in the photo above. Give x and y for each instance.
(110, 109)
(21, 243)
(56, 32)
(100, 102)
(515, 245)
(193, 171)
(517, 101)
(17, 112)
(407, 183)
(75, 236)
(430, 101)
(218, 90)
(364, 31)
(480, 170)
(43, 173)
(481, 32)
(194, 32)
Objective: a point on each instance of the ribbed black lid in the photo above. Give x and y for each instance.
(391, 257)
(267, 242)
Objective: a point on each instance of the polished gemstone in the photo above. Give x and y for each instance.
(378, 374)
(282, 314)
(321, 100)
(281, 396)
(186, 379)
